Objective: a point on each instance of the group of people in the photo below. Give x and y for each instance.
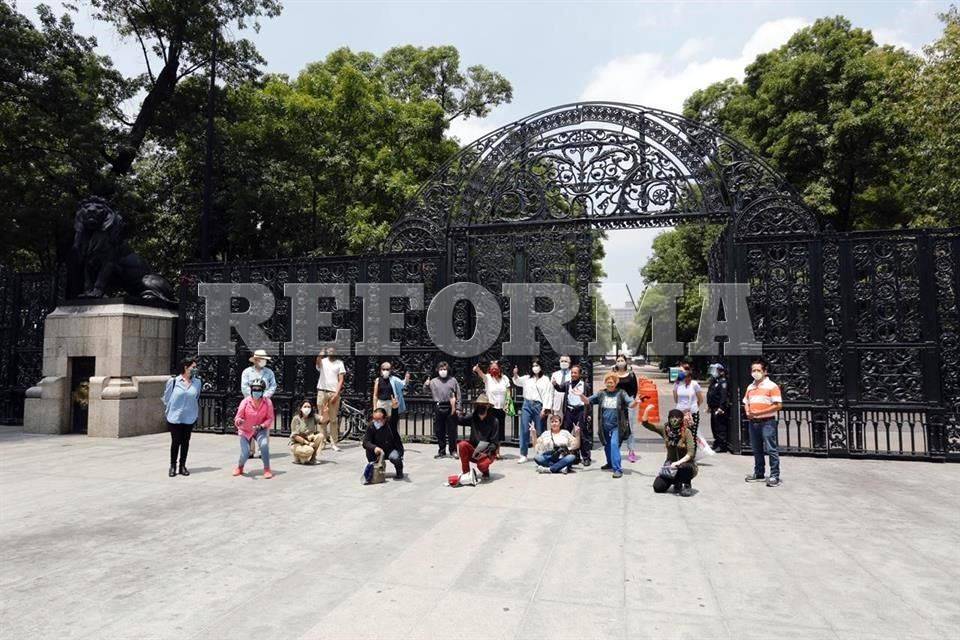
(552, 417)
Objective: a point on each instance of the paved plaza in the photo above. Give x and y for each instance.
(99, 543)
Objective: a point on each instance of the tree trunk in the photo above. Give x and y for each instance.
(161, 91)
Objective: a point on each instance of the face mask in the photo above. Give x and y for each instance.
(674, 423)
(256, 394)
(757, 375)
(192, 370)
(443, 373)
(564, 365)
(495, 371)
(536, 369)
(377, 424)
(305, 411)
(682, 375)
(260, 364)
(385, 374)
(621, 365)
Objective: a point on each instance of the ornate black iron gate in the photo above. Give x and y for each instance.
(296, 375)
(25, 301)
(861, 329)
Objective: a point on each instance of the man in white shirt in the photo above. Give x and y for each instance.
(331, 372)
(567, 405)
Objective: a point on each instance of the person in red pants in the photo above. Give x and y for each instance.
(481, 447)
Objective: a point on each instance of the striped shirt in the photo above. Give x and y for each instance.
(760, 398)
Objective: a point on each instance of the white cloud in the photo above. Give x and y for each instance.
(893, 37)
(655, 80)
(691, 48)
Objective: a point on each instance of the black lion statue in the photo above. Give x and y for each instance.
(107, 263)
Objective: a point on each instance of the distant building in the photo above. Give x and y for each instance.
(623, 317)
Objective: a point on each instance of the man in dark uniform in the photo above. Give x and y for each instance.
(718, 402)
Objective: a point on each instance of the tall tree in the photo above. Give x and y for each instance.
(178, 36)
(57, 100)
(827, 108)
(933, 171)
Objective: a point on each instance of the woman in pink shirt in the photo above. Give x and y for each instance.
(253, 421)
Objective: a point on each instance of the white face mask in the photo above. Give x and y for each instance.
(564, 365)
(757, 375)
(443, 373)
(305, 411)
(536, 368)
(385, 374)
(377, 424)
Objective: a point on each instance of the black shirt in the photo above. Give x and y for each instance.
(484, 429)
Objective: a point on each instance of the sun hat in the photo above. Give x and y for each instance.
(259, 353)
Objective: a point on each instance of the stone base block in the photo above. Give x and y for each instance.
(126, 406)
(46, 406)
(131, 345)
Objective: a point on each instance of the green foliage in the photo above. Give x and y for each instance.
(679, 256)
(829, 110)
(933, 177)
(57, 97)
(319, 164)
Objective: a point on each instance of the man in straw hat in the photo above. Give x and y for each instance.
(258, 370)
(481, 447)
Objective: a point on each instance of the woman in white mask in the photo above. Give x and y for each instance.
(537, 399)
(306, 441)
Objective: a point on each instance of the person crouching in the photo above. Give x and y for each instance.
(481, 446)
(679, 469)
(381, 442)
(306, 441)
(555, 447)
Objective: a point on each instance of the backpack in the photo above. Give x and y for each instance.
(375, 472)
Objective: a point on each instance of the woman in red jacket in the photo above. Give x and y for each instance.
(253, 421)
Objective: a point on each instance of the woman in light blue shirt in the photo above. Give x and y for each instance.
(181, 401)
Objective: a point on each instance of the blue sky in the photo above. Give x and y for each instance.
(650, 53)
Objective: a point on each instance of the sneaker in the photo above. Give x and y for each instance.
(565, 470)
(454, 456)
(773, 482)
(586, 462)
(632, 457)
(335, 447)
(438, 456)
(542, 469)
(238, 471)
(753, 478)
(607, 467)
(266, 474)
(617, 474)
(686, 491)
(521, 459)
(485, 475)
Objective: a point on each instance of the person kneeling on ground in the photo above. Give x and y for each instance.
(306, 441)
(381, 441)
(481, 447)
(679, 468)
(555, 446)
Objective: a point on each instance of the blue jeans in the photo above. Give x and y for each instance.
(263, 441)
(612, 446)
(763, 439)
(546, 460)
(530, 412)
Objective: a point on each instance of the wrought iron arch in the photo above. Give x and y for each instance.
(606, 164)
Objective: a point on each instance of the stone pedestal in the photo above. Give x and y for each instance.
(132, 345)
